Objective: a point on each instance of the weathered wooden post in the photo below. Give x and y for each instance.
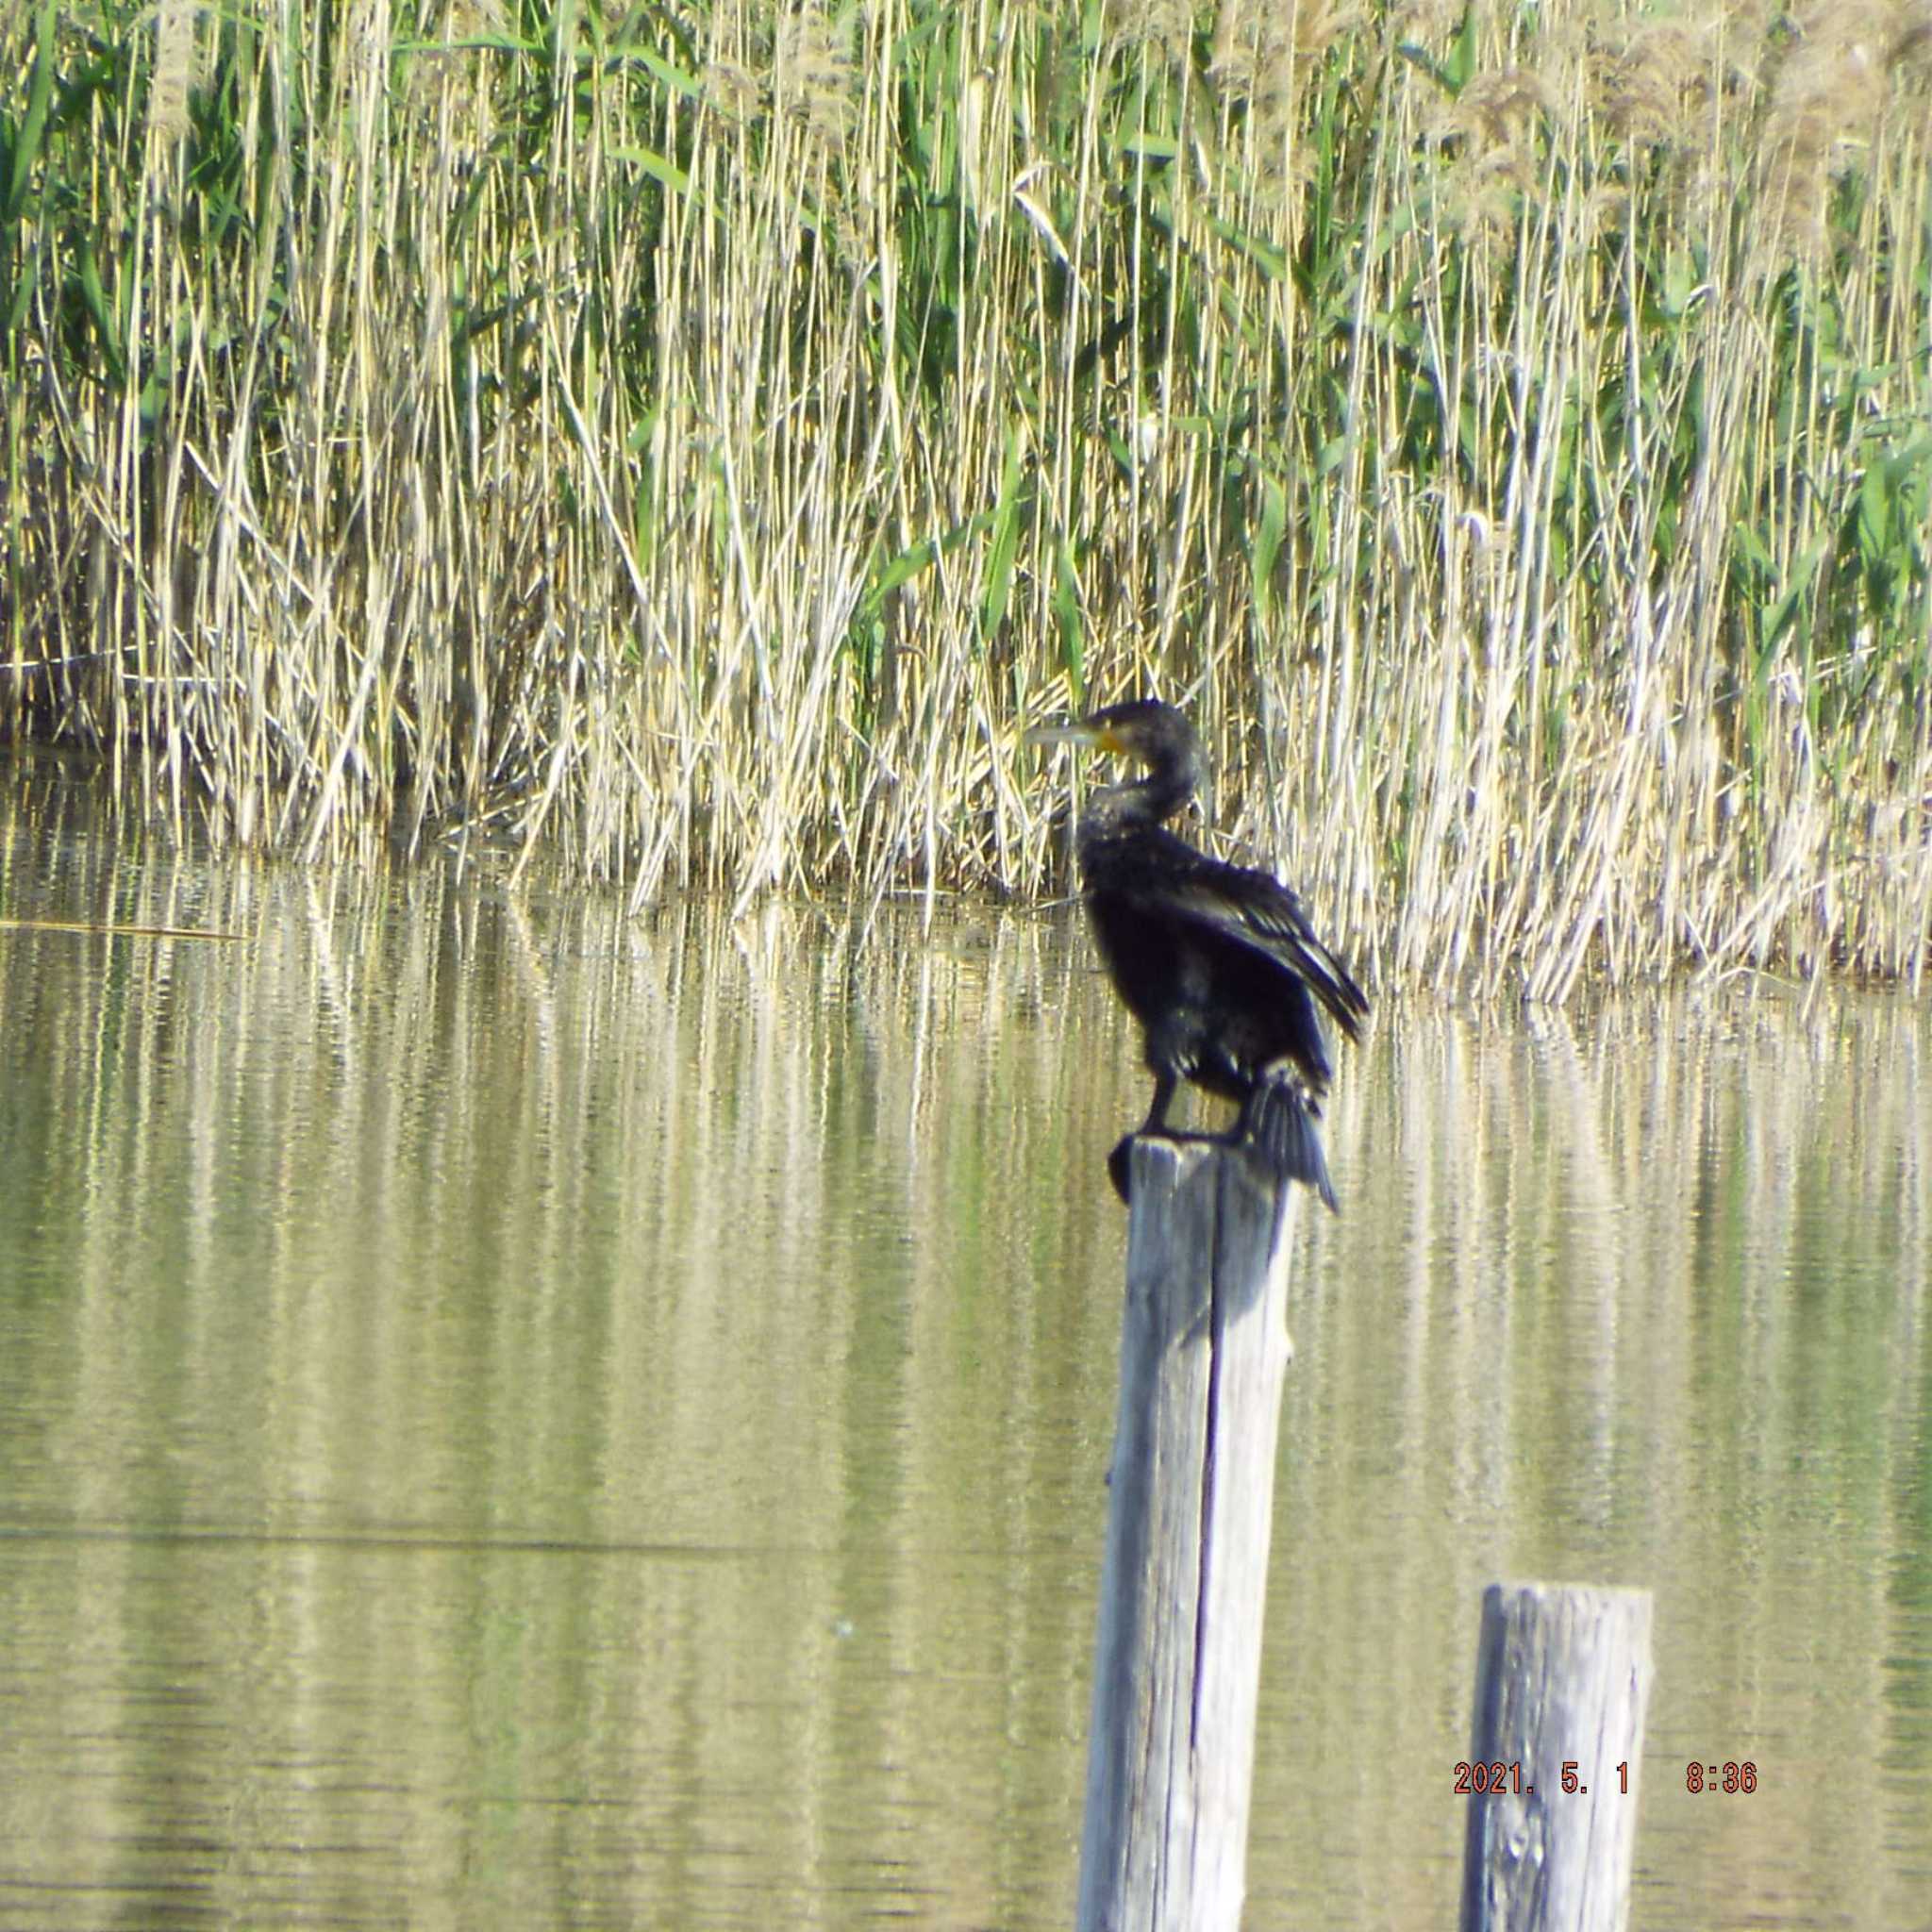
(1178, 1661)
(1562, 1680)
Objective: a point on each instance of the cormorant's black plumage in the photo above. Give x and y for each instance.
(1218, 962)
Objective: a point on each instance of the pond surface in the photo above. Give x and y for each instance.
(513, 1414)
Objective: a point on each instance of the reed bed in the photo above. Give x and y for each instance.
(694, 442)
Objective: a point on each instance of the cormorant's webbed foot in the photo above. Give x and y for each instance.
(1303, 1162)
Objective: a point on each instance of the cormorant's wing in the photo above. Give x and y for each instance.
(1255, 909)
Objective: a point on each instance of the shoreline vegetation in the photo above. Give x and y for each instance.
(696, 442)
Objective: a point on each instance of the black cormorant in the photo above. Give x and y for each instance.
(1218, 962)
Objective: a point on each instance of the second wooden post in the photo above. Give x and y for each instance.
(1177, 1660)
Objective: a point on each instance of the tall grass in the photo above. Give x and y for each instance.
(693, 442)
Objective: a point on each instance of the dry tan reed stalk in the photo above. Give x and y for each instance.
(176, 69)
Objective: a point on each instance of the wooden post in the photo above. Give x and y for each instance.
(1562, 1679)
(1178, 1661)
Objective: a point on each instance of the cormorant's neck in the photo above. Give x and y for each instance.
(1176, 777)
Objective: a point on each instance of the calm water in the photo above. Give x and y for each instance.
(515, 1415)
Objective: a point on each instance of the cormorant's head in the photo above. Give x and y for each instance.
(1143, 728)
(1155, 734)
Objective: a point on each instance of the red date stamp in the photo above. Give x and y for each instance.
(1734, 1777)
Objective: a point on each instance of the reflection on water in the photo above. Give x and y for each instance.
(514, 1414)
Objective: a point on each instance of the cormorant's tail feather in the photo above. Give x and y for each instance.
(1283, 1124)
